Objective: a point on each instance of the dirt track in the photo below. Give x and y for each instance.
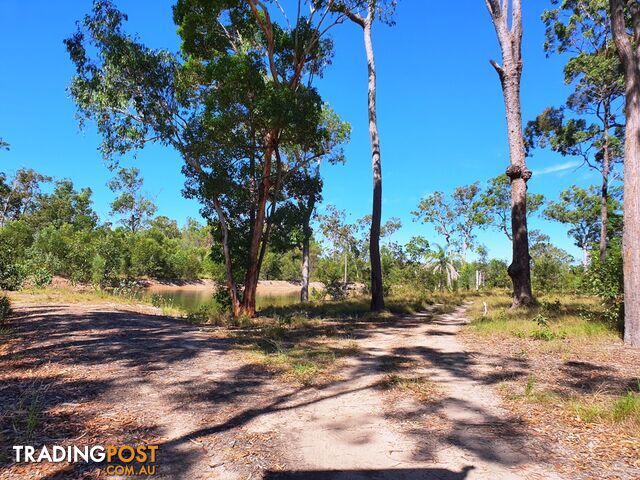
(103, 374)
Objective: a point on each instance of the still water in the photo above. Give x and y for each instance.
(191, 300)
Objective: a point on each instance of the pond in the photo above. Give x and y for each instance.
(192, 300)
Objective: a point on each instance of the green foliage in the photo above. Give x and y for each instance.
(496, 275)
(17, 194)
(131, 205)
(580, 210)
(330, 273)
(607, 282)
(11, 276)
(496, 200)
(5, 308)
(40, 277)
(457, 219)
(551, 267)
(210, 314)
(238, 104)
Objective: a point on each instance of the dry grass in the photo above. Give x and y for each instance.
(420, 388)
(555, 317)
(65, 295)
(567, 375)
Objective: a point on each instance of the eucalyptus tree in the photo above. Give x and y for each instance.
(19, 193)
(3, 145)
(236, 96)
(625, 27)
(131, 204)
(496, 199)
(340, 234)
(470, 214)
(302, 191)
(457, 219)
(364, 13)
(506, 16)
(434, 209)
(590, 125)
(579, 209)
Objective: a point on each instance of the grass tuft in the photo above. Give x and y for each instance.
(419, 387)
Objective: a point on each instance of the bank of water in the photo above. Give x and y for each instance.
(192, 300)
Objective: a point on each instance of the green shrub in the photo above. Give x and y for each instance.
(211, 314)
(606, 281)
(40, 277)
(5, 308)
(12, 276)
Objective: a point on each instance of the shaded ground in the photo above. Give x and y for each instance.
(557, 388)
(87, 374)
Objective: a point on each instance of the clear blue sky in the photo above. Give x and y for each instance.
(440, 108)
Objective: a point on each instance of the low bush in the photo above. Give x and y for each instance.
(5, 308)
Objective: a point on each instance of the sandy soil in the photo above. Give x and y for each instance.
(105, 374)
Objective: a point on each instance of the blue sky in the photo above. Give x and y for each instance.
(441, 112)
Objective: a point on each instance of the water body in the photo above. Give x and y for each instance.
(192, 300)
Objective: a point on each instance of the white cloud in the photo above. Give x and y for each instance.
(561, 167)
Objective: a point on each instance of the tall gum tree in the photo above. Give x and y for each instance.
(239, 92)
(506, 16)
(625, 26)
(589, 125)
(364, 13)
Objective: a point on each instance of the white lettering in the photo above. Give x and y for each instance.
(44, 455)
(28, 453)
(97, 454)
(18, 449)
(59, 453)
(82, 453)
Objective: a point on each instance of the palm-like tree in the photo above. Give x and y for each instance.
(441, 263)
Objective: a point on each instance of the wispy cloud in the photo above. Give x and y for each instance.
(560, 167)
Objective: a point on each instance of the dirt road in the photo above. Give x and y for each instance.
(103, 374)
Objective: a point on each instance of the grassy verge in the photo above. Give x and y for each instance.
(555, 317)
(68, 295)
(600, 407)
(358, 308)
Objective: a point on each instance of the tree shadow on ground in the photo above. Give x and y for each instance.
(139, 349)
(392, 474)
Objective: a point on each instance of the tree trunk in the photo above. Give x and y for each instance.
(520, 268)
(345, 281)
(585, 257)
(510, 39)
(631, 232)
(630, 57)
(306, 250)
(231, 284)
(248, 306)
(377, 294)
(306, 270)
(604, 208)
